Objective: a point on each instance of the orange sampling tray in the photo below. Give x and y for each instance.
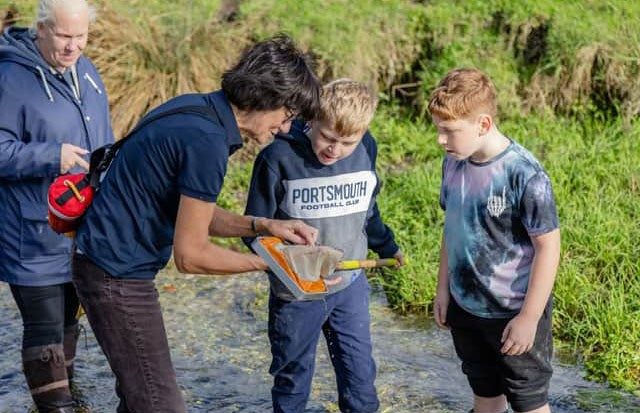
(269, 248)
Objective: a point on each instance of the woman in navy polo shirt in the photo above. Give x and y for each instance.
(160, 194)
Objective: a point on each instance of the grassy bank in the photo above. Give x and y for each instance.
(568, 75)
(572, 57)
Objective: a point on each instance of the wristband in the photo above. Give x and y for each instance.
(254, 228)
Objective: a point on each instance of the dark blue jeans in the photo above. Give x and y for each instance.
(294, 331)
(126, 318)
(45, 312)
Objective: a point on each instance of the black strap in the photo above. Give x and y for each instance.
(97, 167)
(66, 195)
(202, 110)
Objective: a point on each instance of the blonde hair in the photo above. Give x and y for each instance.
(463, 92)
(348, 106)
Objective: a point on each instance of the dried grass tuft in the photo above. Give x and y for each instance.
(596, 75)
(11, 16)
(147, 62)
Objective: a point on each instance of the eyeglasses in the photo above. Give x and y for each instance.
(291, 115)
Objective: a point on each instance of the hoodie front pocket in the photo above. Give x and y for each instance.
(36, 237)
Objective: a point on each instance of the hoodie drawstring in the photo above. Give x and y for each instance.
(93, 83)
(46, 84)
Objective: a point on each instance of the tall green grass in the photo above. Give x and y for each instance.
(371, 40)
(408, 165)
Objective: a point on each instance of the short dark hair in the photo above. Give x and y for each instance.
(273, 74)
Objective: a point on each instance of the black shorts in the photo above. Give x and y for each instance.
(523, 379)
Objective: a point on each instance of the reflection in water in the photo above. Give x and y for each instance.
(217, 331)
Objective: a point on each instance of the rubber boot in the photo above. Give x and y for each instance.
(70, 340)
(47, 378)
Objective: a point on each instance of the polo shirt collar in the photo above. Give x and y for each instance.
(222, 106)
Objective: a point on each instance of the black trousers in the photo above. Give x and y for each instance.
(126, 318)
(45, 312)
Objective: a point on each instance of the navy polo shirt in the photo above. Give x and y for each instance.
(128, 230)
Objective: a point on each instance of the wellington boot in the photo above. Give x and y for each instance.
(46, 376)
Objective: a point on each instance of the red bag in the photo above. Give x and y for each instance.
(69, 197)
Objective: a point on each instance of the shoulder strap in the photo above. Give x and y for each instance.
(102, 157)
(201, 110)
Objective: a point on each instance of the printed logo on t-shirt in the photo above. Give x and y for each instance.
(329, 197)
(497, 204)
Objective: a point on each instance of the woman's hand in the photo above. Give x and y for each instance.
(292, 230)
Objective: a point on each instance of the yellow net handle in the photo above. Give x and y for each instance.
(355, 264)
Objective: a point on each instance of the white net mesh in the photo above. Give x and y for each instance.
(312, 262)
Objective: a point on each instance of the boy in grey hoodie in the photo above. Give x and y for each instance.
(323, 172)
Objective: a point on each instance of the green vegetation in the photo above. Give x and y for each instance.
(568, 75)
(364, 39)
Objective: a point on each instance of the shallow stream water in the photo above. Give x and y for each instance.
(217, 332)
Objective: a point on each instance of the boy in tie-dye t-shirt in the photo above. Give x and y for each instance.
(499, 253)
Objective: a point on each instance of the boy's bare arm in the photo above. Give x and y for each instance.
(441, 300)
(520, 333)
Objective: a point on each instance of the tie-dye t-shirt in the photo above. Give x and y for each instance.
(491, 211)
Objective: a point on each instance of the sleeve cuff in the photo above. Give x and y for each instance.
(54, 168)
(198, 195)
(388, 250)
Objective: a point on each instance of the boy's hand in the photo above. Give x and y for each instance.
(440, 306)
(519, 334)
(400, 257)
(293, 230)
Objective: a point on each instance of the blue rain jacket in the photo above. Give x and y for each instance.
(38, 113)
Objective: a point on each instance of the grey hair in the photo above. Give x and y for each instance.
(47, 10)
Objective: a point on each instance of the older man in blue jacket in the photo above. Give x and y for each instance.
(53, 113)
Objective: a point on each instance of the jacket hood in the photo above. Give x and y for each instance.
(17, 45)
